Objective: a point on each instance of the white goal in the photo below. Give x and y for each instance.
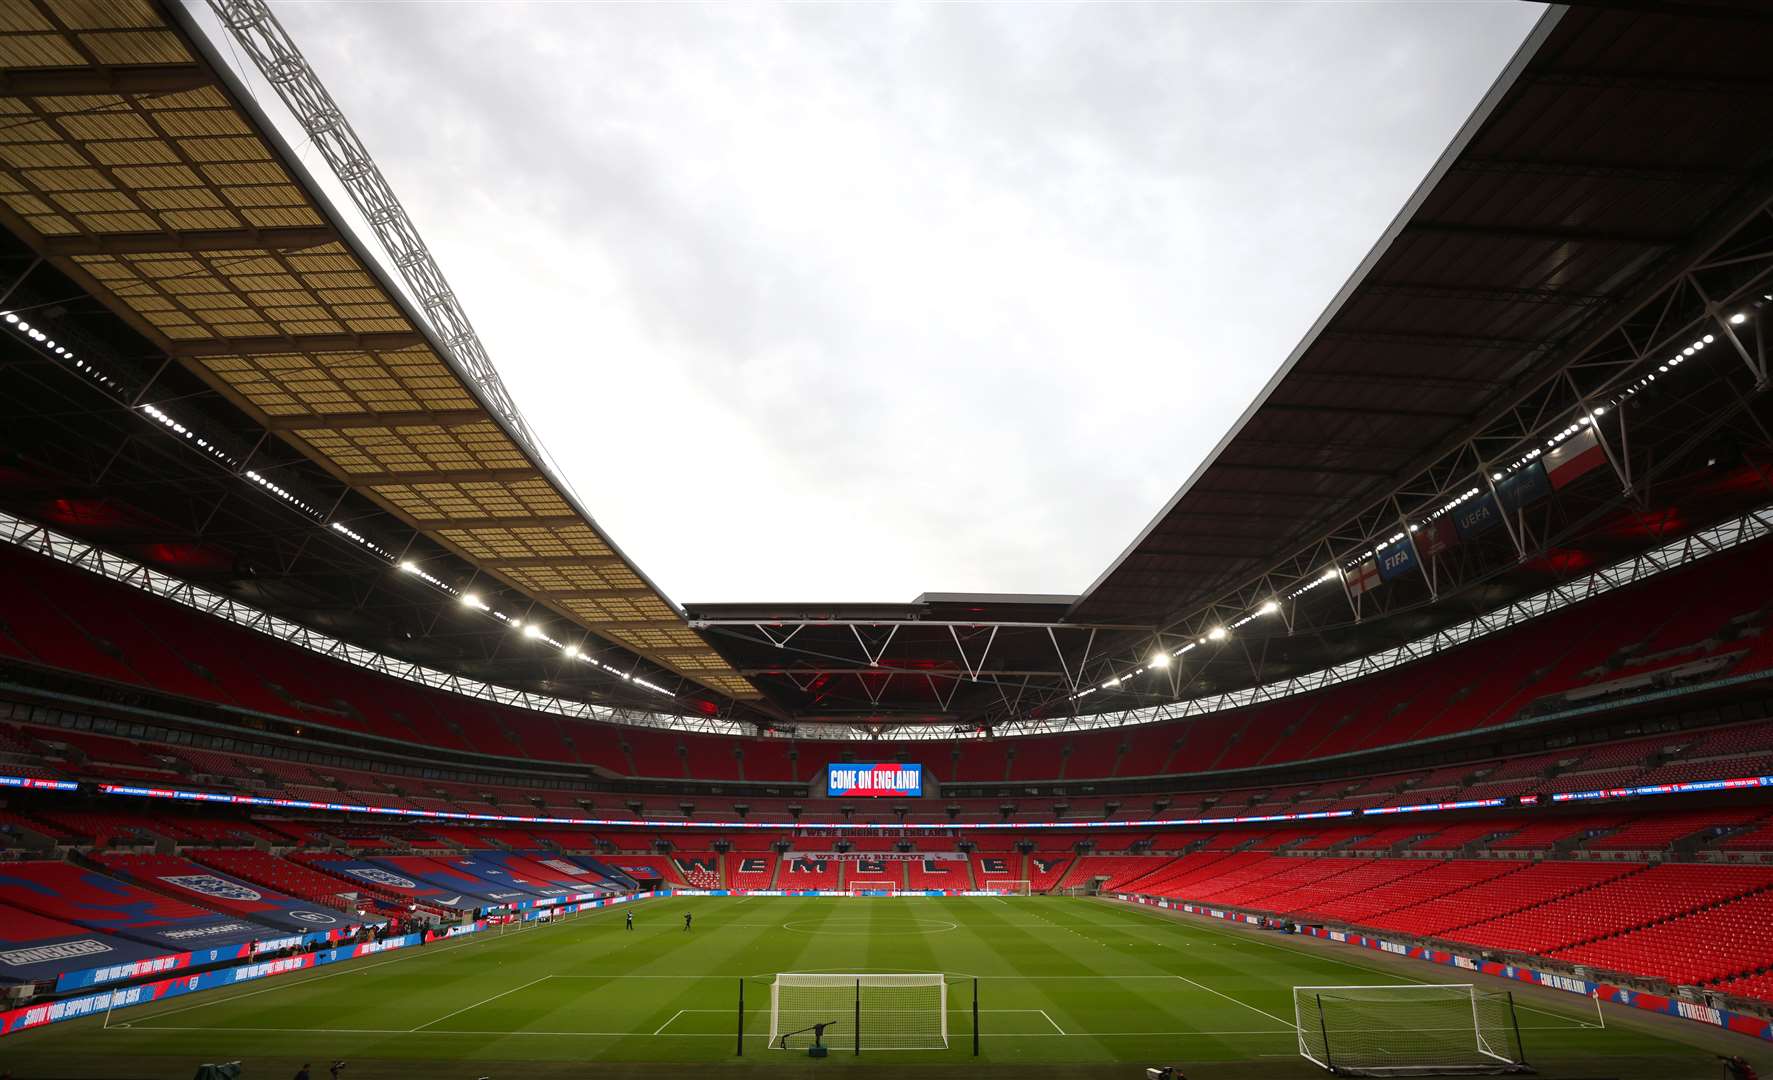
(876, 888)
(1014, 888)
(864, 1012)
(1410, 1029)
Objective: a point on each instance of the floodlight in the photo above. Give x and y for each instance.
(470, 599)
(1217, 633)
(1159, 659)
(1273, 606)
(532, 631)
(1738, 319)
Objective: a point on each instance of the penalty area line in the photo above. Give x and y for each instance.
(1202, 986)
(478, 1004)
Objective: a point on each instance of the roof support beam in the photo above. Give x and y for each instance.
(544, 561)
(1650, 172)
(519, 521)
(1355, 410)
(443, 476)
(1433, 341)
(1543, 233)
(598, 594)
(307, 343)
(148, 79)
(447, 418)
(151, 243)
(1424, 291)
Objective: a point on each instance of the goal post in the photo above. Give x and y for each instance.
(1408, 1030)
(1017, 887)
(863, 1012)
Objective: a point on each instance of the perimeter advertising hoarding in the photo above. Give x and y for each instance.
(884, 779)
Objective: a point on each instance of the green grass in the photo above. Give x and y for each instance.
(1064, 984)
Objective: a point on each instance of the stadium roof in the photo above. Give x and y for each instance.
(136, 167)
(1606, 150)
(1609, 196)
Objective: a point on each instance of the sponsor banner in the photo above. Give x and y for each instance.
(13, 1021)
(35, 950)
(1665, 789)
(886, 779)
(877, 856)
(38, 785)
(110, 973)
(1743, 1023)
(872, 829)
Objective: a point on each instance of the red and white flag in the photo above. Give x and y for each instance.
(1363, 578)
(1570, 459)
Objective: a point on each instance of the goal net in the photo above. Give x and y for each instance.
(866, 1012)
(1014, 888)
(1408, 1029)
(874, 888)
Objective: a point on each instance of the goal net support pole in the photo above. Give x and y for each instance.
(1408, 1030)
(890, 1012)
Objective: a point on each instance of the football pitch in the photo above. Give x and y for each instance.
(1066, 987)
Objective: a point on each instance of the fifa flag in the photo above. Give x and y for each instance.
(1363, 578)
(1581, 453)
(1396, 560)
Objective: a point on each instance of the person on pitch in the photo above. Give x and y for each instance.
(686, 922)
(630, 920)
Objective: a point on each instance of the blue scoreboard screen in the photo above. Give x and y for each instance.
(885, 779)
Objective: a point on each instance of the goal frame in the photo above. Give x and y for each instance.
(850, 1014)
(886, 887)
(1309, 1022)
(997, 885)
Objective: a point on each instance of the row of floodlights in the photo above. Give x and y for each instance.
(530, 630)
(1162, 658)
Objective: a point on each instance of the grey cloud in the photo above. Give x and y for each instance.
(913, 297)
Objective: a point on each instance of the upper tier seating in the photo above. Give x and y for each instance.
(144, 641)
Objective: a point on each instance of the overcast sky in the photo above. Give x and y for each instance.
(851, 302)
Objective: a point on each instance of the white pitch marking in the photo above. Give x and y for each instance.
(478, 1004)
(304, 982)
(1051, 1021)
(667, 1023)
(1290, 1025)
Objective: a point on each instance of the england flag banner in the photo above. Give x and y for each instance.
(886, 779)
